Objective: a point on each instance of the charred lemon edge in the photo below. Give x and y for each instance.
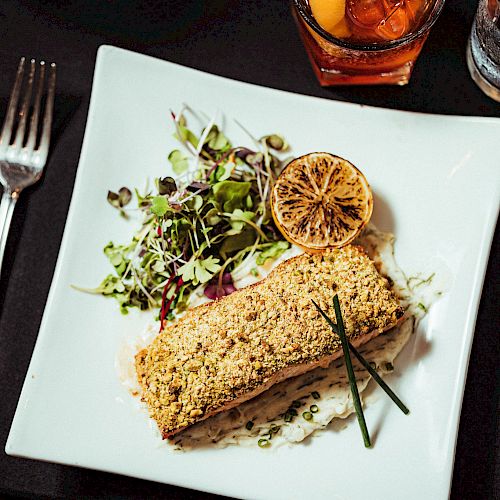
(316, 248)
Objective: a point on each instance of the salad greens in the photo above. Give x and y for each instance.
(199, 228)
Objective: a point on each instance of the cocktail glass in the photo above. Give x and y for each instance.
(349, 60)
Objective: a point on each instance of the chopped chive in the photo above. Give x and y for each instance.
(249, 425)
(274, 429)
(339, 328)
(389, 367)
(296, 404)
(288, 417)
(292, 411)
(314, 409)
(315, 395)
(263, 443)
(422, 306)
(426, 281)
(372, 364)
(307, 415)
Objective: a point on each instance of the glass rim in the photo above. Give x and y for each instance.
(374, 46)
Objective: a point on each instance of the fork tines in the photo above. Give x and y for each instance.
(24, 142)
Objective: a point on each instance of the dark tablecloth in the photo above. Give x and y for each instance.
(254, 41)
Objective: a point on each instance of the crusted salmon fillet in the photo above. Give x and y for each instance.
(223, 353)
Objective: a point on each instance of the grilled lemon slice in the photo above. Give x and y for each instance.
(321, 201)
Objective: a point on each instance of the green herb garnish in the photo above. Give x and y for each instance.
(200, 228)
(371, 370)
(416, 281)
(370, 367)
(265, 440)
(339, 329)
(274, 429)
(249, 425)
(120, 200)
(272, 252)
(307, 415)
(314, 409)
(264, 443)
(350, 371)
(315, 395)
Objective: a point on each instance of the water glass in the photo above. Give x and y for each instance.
(483, 49)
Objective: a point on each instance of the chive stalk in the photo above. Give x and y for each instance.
(370, 367)
(379, 380)
(339, 328)
(350, 371)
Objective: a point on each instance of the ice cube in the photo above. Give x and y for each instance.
(366, 13)
(390, 19)
(395, 24)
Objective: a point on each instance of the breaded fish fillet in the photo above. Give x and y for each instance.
(226, 352)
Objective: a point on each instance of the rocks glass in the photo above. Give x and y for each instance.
(375, 42)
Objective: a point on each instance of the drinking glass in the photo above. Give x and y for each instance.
(378, 42)
(483, 49)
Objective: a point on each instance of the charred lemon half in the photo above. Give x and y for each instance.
(321, 200)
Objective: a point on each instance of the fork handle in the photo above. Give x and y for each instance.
(6, 210)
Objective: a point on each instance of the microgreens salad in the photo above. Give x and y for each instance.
(200, 227)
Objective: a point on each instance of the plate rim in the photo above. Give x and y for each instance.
(105, 51)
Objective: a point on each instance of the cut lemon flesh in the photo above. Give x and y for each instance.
(321, 201)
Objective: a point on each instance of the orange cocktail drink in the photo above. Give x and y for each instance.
(364, 41)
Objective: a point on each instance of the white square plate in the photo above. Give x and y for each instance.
(436, 181)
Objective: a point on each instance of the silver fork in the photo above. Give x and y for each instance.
(21, 162)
